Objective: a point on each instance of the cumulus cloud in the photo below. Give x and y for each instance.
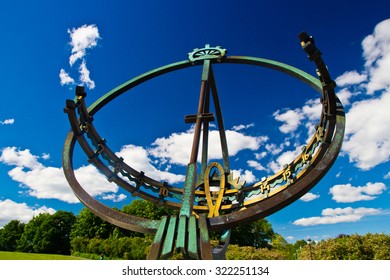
(81, 39)
(349, 193)
(367, 141)
(176, 148)
(345, 95)
(138, 158)
(367, 137)
(242, 127)
(49, 182)
(256, 165)
(350, 78)
(19, 158)
(309, 197)
(376, 51)
(65, 79)
(11, 210)
(283, 159)
(245, 176)
(114, 197)
(338, 215)
(7, 121)
(290, 118)
(84, 76)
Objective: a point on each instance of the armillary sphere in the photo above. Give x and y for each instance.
(211, 199)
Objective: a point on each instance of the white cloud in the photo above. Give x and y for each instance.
(84, 76)
(49, 182)
(350, 78)
(177, 147)
(11, 210)
(261, 155)
(309, 197)
(284, 158)
(367, 140)
(7, 121)
(348, 193)
(274, 149)
(245, 176)
(82, 38)
(291, 119)
(242, 127)
(65, 79)
(114, 197)
(138, 158)
(345, 95)
(338, 215)
(312, 110)
(376, 51)
(45, 156)
(256, 165)
(387, 176)
(19, 158)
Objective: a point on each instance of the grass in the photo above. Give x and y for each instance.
(31, 256)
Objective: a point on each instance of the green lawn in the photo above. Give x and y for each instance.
(30, 256)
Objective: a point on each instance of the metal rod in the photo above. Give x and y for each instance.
(205, 140)
(221, 127)
(199, 121)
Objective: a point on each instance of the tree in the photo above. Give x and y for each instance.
(257, 234)
(88, 225)
(10, 234)
(143, 209)
(351, 247)
(235, 252)
(146, 209)
(26, 241)
(53, 235)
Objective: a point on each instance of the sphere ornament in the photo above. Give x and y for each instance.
(211, 198)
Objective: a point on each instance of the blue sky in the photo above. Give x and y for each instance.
(49, 47)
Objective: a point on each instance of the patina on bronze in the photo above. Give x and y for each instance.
(211, 199)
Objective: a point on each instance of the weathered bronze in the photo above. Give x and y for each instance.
(212, 199)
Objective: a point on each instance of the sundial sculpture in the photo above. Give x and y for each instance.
(211, 198)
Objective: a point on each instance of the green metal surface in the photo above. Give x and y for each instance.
(168, 246)
(181, 240)
(155, 250)
(188, 194)
(192, 238)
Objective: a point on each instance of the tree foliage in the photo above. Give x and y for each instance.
(89, 225)
(26, 241)
(53, 236)
(258, 234)
(10, 235)
(47, 233)
(353, 247)
(87, 235)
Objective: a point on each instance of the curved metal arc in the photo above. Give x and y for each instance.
(288, 195)
(101, 102)
(113, 216)
(114, 93)
(104, 151)
(310, 80)
(285, 68)
(292, 71)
